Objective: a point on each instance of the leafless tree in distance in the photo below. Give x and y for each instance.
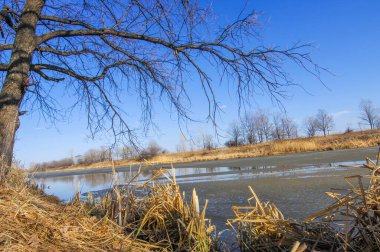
(369, 114)
(278, 132)
(235, 135)
(311, 126)
(103, 54)
(127, 152)
(290, 127)
(324, 121)
(284, 127)
(263, 126)
(206, 141)
(152, 150)
(248, 128)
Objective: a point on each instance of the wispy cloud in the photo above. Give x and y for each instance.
(340, 113)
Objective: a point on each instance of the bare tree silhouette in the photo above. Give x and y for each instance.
(105, 52)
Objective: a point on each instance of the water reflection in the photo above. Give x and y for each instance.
(66, 186)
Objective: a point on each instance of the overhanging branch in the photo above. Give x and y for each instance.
(4, 47)
(98, 32)
(45, 76)
(70, 53)
(39, 67)
(65, 21)
(4, 67)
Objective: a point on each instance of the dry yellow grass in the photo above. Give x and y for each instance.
(352, 223)
(159, 214)
(261, 226)
(359, 139)
(32, 221)
(159, 219)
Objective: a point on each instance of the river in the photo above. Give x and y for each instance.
(296, 183)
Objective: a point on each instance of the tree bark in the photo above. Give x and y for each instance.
(17, 81)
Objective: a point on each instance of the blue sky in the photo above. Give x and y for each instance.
(346, 39)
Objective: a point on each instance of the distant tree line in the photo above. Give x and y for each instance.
(103, 154)
(52, 164)
(259, 127)
(254, 127)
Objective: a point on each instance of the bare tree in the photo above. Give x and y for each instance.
(324, 121)
(65, 162)
(235, 135)
(311, 126)
(127, 152)
(91, 156)
(97, 155)
(248, 129)
(152, 150)
(289, 127)
(206, 141)
(105, 154)
(101, 51)
(348, 129)
(369, 114)
(283, 127)
(263, 126)
(277, 129)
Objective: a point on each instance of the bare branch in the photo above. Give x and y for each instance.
(64, 21)
(150, 51)
(39, 67)
(5, 47)
(70, 53)
(45, 76)
(4, 67)
(98, 32)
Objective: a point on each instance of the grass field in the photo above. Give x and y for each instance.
(359, 139)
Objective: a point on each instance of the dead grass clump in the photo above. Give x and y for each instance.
(351, 224)
(262, 227)
(29, 221)
(357, 214)
(293, 146)
(159, 214)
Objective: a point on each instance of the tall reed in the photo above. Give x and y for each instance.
(157, 212)
(352, 223)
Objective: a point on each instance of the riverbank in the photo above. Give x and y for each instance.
(163, 209)
(304, 159)
(352, 140)
(33, 221)
(150, 218)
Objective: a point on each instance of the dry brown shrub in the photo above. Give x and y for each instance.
(351, 224)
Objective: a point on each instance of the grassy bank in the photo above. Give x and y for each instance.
(33, 221)
(156, 217)
(158, 220)
(359, 139)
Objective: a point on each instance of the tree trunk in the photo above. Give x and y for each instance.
(16, 81)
